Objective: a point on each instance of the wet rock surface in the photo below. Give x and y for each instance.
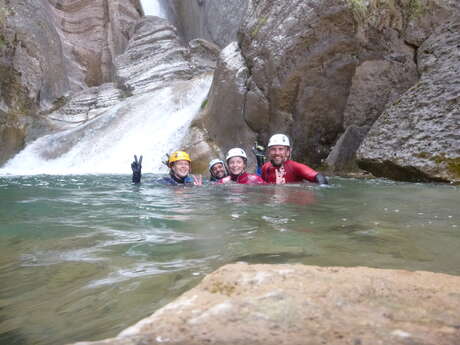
(418, 137)
(93, 33)
(295, 304)
(317, 67)
(214, 20)
(50, 49)
(225, 106)
(154, 58)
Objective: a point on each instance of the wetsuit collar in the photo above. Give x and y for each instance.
(237, 177)
(177, 179)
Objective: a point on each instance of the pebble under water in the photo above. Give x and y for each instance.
(83, 257)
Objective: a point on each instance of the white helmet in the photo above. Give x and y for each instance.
(214, 162)
(236, 152)
(279, 139)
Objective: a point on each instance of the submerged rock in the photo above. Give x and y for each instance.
(295, 304)
(418, 137)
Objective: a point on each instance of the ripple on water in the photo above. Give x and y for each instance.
(71, 245)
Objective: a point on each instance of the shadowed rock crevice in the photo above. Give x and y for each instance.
(214, 20)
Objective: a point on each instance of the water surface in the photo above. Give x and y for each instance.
(83, 257)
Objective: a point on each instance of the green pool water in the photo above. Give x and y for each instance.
(83, 257)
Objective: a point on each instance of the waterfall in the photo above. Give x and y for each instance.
(167, 89)
(150, 124)
(153, 8)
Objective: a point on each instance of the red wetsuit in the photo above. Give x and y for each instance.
(244, 178)
(293, 172)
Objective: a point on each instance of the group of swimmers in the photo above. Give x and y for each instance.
(279, 169)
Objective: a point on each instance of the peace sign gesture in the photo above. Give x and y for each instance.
(136, 167)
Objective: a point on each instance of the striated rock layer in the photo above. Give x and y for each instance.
(295, 304)
(51, 48)
(418, 137)
(154, 58)
(93, 34)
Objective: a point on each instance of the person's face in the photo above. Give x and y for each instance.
(218, 170)
(278, 154)
(181, 168)
(236, 165)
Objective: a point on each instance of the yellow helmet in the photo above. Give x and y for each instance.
(178, 156)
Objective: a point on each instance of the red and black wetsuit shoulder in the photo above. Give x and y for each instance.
(294, 172)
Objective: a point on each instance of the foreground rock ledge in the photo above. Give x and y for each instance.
(296, 304)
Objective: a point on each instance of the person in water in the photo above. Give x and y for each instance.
(179, 164)
(237, 163)
(281, 169)
(217, 169)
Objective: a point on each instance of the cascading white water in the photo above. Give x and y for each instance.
(151, 124)
(153, 8)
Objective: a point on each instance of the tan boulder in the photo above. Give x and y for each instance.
(297, 304)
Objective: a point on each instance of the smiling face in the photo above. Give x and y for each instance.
(236, 165)
(278, 154)
(218, 170)
(181, 168)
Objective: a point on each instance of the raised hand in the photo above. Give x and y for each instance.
(280, 175)
(197, 180)
(136, 167)
(259, 152)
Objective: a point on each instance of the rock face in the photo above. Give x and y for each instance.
(93, 34)
(426, 119)
(315, 68)
(214, 20)
(226, 107)
(295, 304)
(50, 48)
(154, 58)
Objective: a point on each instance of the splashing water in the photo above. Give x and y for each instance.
(153, 8)
(151, 124)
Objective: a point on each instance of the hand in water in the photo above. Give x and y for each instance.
(136, 166)
(227, 179)
(280, 173)
(197, 180)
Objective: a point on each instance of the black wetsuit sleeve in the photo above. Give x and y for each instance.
(321, 179)
(137, 177)
(259, 152)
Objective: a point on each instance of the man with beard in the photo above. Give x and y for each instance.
(217, 170)
(280, 169)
